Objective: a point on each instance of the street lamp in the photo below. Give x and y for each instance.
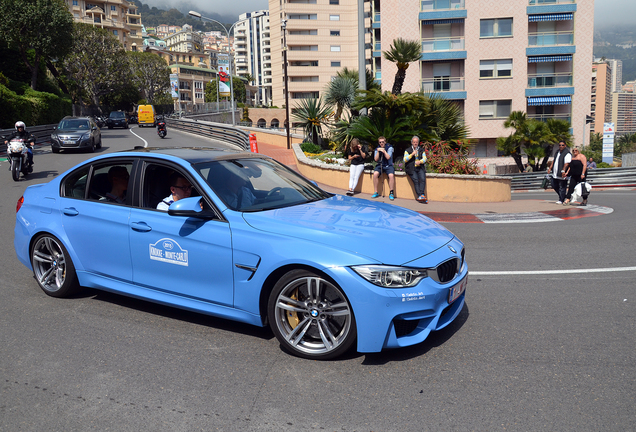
(283, 24)
(198, 15)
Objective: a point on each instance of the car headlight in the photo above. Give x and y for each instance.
(391, 276)
(86, 135)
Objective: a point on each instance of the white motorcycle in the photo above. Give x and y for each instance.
(17, 154)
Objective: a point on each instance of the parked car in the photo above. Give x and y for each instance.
(76, 132)
(117, 119)
(250, 240)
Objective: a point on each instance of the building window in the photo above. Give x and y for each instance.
(334, 17)
(304, 63)
(500, 27)
(305, 95)
(303, 32)
(115, 32)
(494, 109)
(113, 8)
(334, 2)
(334, 33)
(335, 48)
(75, 3)
(335, 64)
(495, 68)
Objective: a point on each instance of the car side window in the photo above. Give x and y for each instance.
(156, 185)
(109, 182)
(74, 185)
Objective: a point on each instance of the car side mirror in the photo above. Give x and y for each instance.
(189, 207)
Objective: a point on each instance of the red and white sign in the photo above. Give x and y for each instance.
(608, 128)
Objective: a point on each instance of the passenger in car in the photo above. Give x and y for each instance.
(118, 177)
(236, 194)
(179, 188)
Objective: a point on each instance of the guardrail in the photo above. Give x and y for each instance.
(219, 131)
(598, 178)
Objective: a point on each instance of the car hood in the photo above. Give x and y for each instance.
(71, 132)
(385, 233)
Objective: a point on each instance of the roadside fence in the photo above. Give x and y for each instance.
(219, 131)
(598, 178)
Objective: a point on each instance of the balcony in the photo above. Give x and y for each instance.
(545, 117)
(551, 38)
(435, 5)
(549, 2)
(445, 87)
(444, 48)
(550, 80)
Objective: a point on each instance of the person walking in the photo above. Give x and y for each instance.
(578, 172)
(356, 155)
(415, 167)
(560, 169)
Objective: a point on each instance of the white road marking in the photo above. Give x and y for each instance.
(547, 272)
(145, 142)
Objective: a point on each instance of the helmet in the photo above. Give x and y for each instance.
(19, 124)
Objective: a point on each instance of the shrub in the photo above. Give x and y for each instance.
(309, 147)
(447, 158)
(603, 165)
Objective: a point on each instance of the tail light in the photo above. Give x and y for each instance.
(19, 204)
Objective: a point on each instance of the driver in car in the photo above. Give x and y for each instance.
(179, 188)
(236, 194)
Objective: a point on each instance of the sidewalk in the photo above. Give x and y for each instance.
(518, 210)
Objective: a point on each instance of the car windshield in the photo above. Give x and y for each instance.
(246, 184)
(117, 115)
(74, 124)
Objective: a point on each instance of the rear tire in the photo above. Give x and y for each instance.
(52, 267)
(311, 316)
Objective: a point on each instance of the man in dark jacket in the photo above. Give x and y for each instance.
(561, 168)
(29, 139)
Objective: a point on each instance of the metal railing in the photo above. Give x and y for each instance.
(452, 43)
(546, 117)
(551, 38)
(443, 84)
(598, 178)
(225, 133)
(41, 133)
(549, 2)
(550, 80)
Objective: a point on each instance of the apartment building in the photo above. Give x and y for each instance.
(119, 17)
(624, 113)
(321, 37)
(493, 58)
(601, 103)
(617, 74)
(252, 54)
(185, 40)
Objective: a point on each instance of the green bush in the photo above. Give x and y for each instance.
(603, 165)
(30, 106)
(309, 147)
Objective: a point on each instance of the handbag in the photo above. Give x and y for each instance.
(546, 183)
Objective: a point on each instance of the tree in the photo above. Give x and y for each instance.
(211, 89)
(311, 115)
(402, 52)
(150, 74)
(442, 120)
(43, 26)
(248, 77)
(97, 65)
(341, 92)
(345, 72)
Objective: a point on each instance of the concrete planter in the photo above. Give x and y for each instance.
(440, 187)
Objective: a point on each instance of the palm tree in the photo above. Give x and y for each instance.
(248, 77)
(312, 114)
(557, 131)
(529, 135)
(341, 92)
(443, 120)
(402, 52)
(353, 73)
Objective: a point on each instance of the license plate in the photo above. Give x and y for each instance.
(67, 142)
(457, 290)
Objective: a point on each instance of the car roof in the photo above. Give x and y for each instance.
(76, 118)
(196, 155)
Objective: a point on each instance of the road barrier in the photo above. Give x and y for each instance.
(219, 131)
(41, 133)
(598, 178)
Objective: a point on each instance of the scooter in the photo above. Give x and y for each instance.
(161, 128)
(17, 153)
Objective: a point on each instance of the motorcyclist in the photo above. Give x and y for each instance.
(29, 140)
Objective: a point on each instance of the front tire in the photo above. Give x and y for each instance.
(15, 171)
(52, 266)
(311, 316)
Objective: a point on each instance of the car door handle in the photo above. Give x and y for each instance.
(140, 226)
(71, 211)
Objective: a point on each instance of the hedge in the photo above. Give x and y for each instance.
(32, 107)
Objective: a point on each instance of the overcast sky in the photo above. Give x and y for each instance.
(607, 12)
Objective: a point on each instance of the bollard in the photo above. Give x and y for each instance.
(253, 143)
